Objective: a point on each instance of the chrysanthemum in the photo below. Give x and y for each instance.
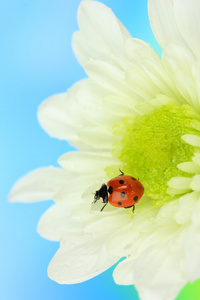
(139, 113)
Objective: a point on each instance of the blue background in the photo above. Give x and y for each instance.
(36, 61)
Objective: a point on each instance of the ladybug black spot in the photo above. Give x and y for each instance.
(135, 198)
(121, 181)
(133, 178)
(110, 189)
(122, 195)
(119, 203)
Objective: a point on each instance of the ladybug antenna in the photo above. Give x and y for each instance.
(122, 173)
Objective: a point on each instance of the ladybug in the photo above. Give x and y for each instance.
(121, 191)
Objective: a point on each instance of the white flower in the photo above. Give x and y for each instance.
(139, 113)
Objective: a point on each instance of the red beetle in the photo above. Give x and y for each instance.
(120, 191)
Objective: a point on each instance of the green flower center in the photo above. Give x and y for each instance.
(152, 147)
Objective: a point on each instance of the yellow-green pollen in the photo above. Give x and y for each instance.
(152, 147)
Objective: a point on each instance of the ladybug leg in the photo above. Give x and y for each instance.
(122, 173)
(104, 206)
(105, 200)
(133, 206)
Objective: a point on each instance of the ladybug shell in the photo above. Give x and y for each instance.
(124, 191)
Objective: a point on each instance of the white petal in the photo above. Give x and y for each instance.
(55, 222)
(101, 35)
(87, 105)
(195, 215)
(196, 159)
(187, 88)
(175, 192)
(189, 167)
(179, 58)
(163, 22)
(124, 241)
(180, 182)
(185, 207)
(160, 78)
(129, 238)
(195, 124)
(159, 273)
(98, 137)
(149, 270)
(108, 223)
(192, 252)
(63, 115)
(136, 79)
(191, 139)
(54, 118)
(195, 183)
(122, 104)
(79, 259)
(87, 162)
(187, 16)
(166, 213)
(74, 187)
(123, 273)
(197, 78)
(41, 184)
(109, 77)
(137, 50)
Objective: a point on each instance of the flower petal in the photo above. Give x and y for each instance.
(187, 88)
(111, 222)
(185, 207)
(192, 250)
(195, 215)
(105, 138)
(104, 39)
(195, 183)
(53, 116)
(66, 115)
(187, 16)
(39, 185)
(123, 273)
(163, 22)
(109, 76)
(79, 259)
(189, 167)
(87, 162)
(55, 222)
(180, 182)
(71, 192)
(158, 273)
(129, 238)
(137, 50)
(179, 58)
(124, 241)
(56, 118)
(192, 139)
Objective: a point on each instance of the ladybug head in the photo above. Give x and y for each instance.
(96, 196)
(102, 193)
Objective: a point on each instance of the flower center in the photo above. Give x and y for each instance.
(152, 147)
